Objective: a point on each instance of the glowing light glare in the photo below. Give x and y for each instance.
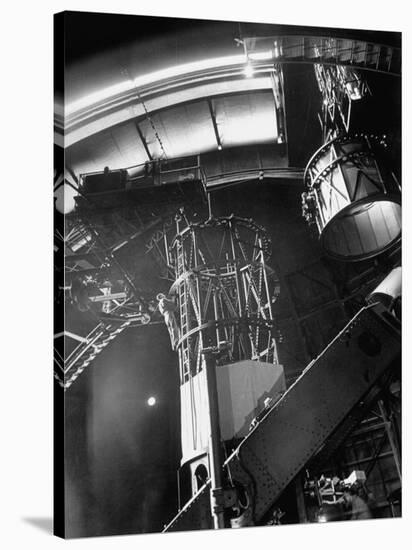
(321, 518)
(248, 70)
(195, 66)
(151, 401)
(96, 97)
(151, 78)
(260, 56)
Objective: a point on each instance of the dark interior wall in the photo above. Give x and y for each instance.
(122, 455)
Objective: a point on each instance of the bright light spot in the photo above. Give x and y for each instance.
(98, 96)
(150, 78)
(248, 70)
(65, 199)
(180, 70)
(219, 147)
(321, 518)
(151, 401)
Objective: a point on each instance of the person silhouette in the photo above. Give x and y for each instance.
(167, 307)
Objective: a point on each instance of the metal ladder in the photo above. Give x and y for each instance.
(183, 310)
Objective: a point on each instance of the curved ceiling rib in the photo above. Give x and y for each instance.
(184, 129)
(168, 76)
(177, 84)
(197, 107)
(82, 121)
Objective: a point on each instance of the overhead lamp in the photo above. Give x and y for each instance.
(219, 147)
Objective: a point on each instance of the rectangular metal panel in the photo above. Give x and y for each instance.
(317, 402)
(242, 389)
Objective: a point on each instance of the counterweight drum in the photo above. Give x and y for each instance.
(353, 198)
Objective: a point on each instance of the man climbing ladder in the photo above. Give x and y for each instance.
(167, 307)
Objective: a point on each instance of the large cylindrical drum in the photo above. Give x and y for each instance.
(353, 198)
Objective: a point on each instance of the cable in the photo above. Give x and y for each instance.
(149, 118)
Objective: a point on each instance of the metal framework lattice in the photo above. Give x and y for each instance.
(339, 86)
(224, 292)
(326, 50)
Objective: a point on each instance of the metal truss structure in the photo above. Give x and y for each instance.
(358, 54)
(340, 66)
(97, 237)
(339, 86)
(224, 292)
(122, 316)
(102, 239)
